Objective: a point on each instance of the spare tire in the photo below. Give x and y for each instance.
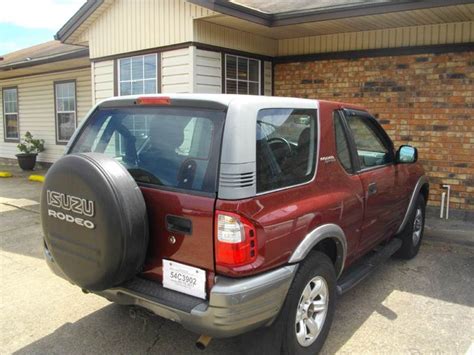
(94, 220)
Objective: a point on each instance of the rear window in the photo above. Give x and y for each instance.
(165, 146)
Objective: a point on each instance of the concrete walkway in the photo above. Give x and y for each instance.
(425, 305)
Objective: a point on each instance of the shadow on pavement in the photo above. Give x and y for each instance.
(21, 233)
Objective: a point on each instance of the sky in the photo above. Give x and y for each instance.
(24, 23)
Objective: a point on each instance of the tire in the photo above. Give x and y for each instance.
(94, 220)
(280, 336)
(412, 234)
(317, 270)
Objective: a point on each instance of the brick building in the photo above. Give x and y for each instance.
(411, 63)
(426, 100)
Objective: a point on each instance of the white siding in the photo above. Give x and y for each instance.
(207, 72)
(36, 109)
(183, 70)
(216, 35)
(131, 25)
(103, 80)
(444, 33)
(176, 71)
(267, 78)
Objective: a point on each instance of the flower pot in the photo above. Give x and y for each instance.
(27, 161)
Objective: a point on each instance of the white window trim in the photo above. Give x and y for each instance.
(57, 111)
(119, 81)
(237, 80)
(11, 139)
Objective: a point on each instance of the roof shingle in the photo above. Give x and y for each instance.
(45, 51)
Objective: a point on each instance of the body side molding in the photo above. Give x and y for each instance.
(325, 231)
(421, 181)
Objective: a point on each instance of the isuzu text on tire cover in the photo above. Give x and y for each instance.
(76, 205)
(230, 213)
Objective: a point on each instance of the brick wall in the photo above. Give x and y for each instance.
(423, 100)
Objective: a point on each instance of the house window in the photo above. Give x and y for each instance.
(242, 75)
(65, 93)
(138, 75)
(10, 113)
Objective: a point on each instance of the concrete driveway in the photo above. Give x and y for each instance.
(422, 306)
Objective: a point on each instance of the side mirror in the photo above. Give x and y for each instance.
(407, 154)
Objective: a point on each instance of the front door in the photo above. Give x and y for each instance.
(378, 173)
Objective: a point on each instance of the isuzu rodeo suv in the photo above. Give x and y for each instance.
(230, 213)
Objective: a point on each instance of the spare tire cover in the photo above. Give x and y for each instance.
(94, 220)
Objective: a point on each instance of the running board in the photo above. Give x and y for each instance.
(364, 268)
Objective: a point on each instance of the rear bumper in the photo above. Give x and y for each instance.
(235, 306)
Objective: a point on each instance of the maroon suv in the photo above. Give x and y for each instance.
(229, 213)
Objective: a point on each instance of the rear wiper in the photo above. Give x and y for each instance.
(139, 173)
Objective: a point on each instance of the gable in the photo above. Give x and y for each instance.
(128, 26)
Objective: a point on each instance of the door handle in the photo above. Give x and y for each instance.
(372, 188)
(179, 224)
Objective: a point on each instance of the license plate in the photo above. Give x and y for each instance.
(184, 278)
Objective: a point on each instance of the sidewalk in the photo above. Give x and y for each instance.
(17, 192)
(449, 231)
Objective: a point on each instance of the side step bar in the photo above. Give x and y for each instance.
(361, 270)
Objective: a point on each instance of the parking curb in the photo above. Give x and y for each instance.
(38, 178)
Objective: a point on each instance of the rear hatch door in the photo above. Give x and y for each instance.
(172, 150)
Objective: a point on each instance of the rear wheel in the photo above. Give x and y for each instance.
(309, 307)
(311, 311)
(413, 233)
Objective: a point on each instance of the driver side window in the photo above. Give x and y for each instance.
(371, 148)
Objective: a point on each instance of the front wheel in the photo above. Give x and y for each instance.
(309, 307)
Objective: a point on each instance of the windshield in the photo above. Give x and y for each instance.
(167, 146)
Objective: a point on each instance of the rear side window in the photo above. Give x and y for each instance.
(286, 147)
(165, 146)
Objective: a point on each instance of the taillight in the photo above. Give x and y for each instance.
(236, 240)
(150, 100)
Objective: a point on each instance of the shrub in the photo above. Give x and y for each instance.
(30, 145)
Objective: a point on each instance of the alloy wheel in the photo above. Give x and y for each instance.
(417, 226)
(311, 311)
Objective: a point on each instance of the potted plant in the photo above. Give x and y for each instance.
(29, 149)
